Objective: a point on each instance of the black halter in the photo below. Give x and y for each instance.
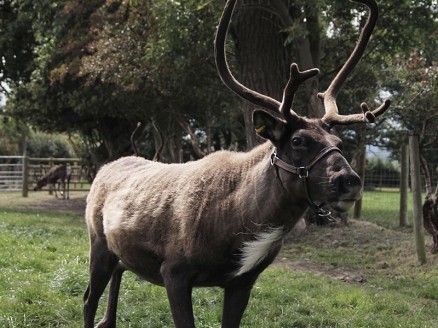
(303, 173)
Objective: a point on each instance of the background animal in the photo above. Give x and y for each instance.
(430, 217)
(220, 221)
(57, 176)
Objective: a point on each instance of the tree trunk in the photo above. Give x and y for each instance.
(263, 60)
(260, 57)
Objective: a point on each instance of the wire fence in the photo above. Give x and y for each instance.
(383, 173)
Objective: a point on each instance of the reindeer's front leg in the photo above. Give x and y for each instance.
(54, 188)
(62, 183)
(235, 301)
(179, 292)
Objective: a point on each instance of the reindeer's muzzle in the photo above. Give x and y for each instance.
(347, 184)
(348, 189)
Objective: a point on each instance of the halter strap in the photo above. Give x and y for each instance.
(303, 173)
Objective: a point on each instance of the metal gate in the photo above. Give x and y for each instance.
(11, 173)
(20, 173)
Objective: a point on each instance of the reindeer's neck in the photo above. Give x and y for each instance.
(264, 198)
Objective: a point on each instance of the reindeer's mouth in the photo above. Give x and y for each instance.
(343, 205)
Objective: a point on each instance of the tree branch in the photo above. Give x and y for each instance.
(193, 139)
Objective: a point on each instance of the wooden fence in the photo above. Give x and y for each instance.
(20, 173)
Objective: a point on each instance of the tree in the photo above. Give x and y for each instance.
(104, 65)
(17, 42)
(11, 137)
(267, 36)
(417, 106)
(99, 67)
(409, 64)
(320, 34)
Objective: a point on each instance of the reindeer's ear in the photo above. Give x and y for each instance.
(268, 126)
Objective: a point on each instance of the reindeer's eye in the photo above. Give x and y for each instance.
(297, 141)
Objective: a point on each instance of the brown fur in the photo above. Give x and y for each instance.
(430, 218)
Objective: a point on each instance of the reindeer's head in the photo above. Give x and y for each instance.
(40, 184)
(306, 148)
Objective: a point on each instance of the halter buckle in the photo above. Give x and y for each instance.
(303, 172)
(273, 158)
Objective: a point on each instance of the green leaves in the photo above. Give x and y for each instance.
(79, 66)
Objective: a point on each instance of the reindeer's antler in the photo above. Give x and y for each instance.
(296, 77)
(332, 116)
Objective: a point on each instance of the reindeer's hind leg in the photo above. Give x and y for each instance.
(102, 265)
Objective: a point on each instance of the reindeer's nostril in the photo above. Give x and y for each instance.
(348, 184)
(353, 181)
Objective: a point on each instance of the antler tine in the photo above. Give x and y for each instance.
(332, 116)
(296, 78)
(224, 70)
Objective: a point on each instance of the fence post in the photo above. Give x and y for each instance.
(25, 186)
(414, 154)
(50, 167)
(404, 185)
(361, 171)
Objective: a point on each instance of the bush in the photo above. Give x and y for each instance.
(46, 145)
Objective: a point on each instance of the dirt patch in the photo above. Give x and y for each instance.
(76, 203)
(367, 246)
(342, 274)
(355, 233)
(44, 201)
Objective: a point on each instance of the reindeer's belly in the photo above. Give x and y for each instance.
(146, 262)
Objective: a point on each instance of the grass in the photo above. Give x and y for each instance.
(42, 260)
(361, 275)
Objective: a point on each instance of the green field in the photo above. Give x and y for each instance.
(382, 207)
(361, 275)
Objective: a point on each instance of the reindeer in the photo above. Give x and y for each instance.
(430, 217)
(60, 172)
(220, 221)
(430, 205)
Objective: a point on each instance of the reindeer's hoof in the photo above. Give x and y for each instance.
(106, 324)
